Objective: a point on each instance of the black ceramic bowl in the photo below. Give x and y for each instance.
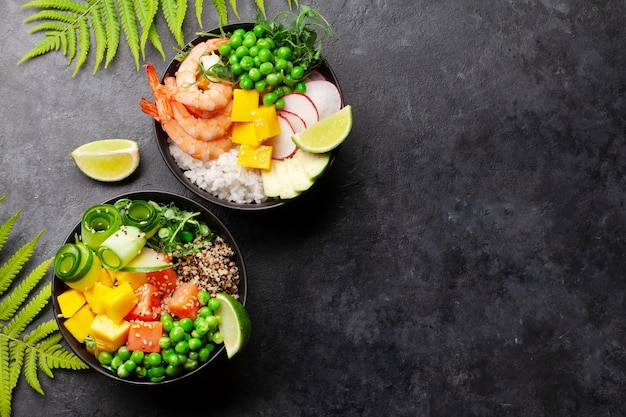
(163, 142)
(185, 204)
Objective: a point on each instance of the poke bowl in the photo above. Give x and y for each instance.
(223, 181)
(128, 304)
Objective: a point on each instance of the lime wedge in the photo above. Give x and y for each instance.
(326, 134)
(107, 160)
(235, 326)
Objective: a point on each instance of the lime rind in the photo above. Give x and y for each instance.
(327, 134)
(107, 160)
(235, 325)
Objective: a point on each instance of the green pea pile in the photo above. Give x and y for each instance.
(257, 62)
(185, 344)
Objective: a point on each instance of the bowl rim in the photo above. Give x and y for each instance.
(214, 223)
(179, 173)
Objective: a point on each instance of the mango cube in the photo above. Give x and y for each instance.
(266, 122)
(95, 295)
(108, 334)
(135, 279)
(119, 301)
(80, 323)
(245, 102)
(70, 301)
(106, 278)
(255, 156)
(244, 133)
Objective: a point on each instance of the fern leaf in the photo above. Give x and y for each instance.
(54, 339)
(13, 266)
(57, 357)
(7, 227)
(52, 42)
(26, 315)
(84, 43)
(181, 13)
(52, 15)
(129, 26)
(261, 5)
(14, 300)
(68, 5)
(222, 11)
(199, 5)
(53, 26)
(30, 370)
(170, 13)
(146, 11)
(42, 331)
(153, 35)
(99, 31)
(5, 378)
(72, 45)
(16, 350)
(112, 26)
(233, 5)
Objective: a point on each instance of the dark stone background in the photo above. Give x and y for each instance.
(465, 256)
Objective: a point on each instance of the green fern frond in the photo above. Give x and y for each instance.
(261, 5)
(129, 26)
(67, 5)
(153, 35)
(199, 5)
(14, 300)
(13, 266)
(222, 11)
(26, 315)
(5, 378)
(170, 13)
(233, 5)
(112, 26)
(72, 44)
(99, 31)
(84, 43)
(54, 339)
(5, 229)
(30, 370)
(57, 357)
(52, 15)
(52, 26)
(42, 332)
(146, 11)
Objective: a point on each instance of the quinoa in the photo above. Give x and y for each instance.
(211, 268)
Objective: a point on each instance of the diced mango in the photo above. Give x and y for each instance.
(245, 102)
(95, 295)
(255, 156)
(266, 122)
(108, 334)
(135, 279)
(106, 278)
(244, 133)
(80, 323)
(70, 301)
(119, 301)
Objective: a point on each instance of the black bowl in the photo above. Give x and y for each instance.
(163, 143)
(183, 203)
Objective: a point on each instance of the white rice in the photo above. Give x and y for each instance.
(222, 177)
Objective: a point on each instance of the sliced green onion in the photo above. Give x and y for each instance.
(121, 247)
(98, 223)
(140, 214)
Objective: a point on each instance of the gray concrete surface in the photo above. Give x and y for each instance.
(465, 256)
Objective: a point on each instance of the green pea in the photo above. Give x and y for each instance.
(173, 370)
(105, 358)
(204, 354)
(238, 32)
(259, 86)
(282, 52)
(265, 55)
(246, 82)
(202, 326)
(217, 337)
(246, 63)
(194, 344)
(154, 359)
(193, 356)
(204, 311)
(203, 295)
(156, 372)
(253, 51)
(177, 334)
(241, 52)
(211, 321)
(168, 326)
(273, 79)
(224, 49)
(141, 372)
(300, 88)
(280, 104)
(186, 323)
(235, 40)
(266, 68)
(186, 236)
(269, 98)
(280, 64)
(190, 365)
(236, 68)
(123, 352)
(270, 43)
(182, 347)
(297, 72)
(116, 362)
(249, 39)
(137, 356)
(165, 342)
(165, 316)
(214, 304)
(258, 31)
(122, 372)
(130, 365)
(255, 75)
(182, 358)
(233, 59)
(172, 360)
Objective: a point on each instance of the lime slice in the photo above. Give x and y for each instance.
(107, 160)
(326, 134)
(235, 326)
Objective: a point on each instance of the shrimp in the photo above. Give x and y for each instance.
(215, 96)
(205, 129)
(198, 149)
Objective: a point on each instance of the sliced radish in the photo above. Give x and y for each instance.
(282, 145)
(316, 75)
(325, 96)
(301, 105)
(294, 120)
